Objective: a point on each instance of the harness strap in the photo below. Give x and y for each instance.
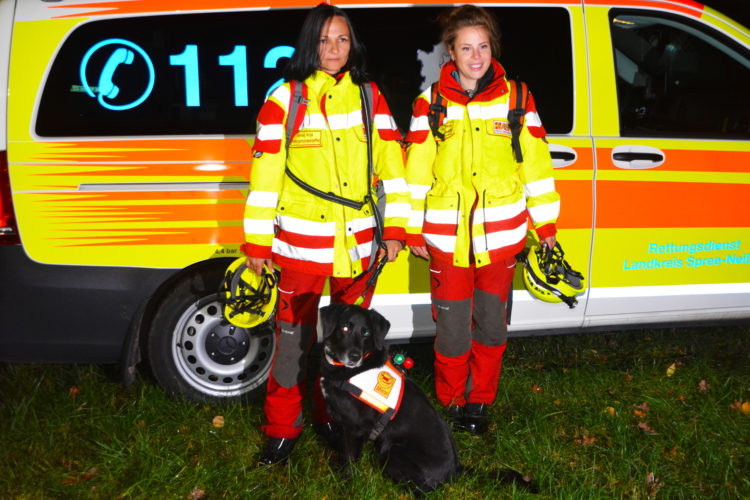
(297, 108)
(380, 424)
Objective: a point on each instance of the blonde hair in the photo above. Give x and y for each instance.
(465, 16)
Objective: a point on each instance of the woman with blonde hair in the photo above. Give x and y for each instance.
(472, 197)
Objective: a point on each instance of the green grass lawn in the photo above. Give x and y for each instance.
(637, 414)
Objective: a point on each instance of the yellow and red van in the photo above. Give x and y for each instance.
(125, 156)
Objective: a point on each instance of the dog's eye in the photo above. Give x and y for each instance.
(345, 329)
(366, 333)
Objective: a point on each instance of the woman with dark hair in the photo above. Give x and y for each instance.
(471, 200)
(314, 238)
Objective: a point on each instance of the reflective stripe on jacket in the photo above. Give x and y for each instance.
(468, 189)
(304, 232)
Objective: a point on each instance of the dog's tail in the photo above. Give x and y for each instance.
(504, 476)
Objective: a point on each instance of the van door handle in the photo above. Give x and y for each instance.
(562, 156)
(634, 157)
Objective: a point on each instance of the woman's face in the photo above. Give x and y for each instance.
(333, 48)
(472, 53)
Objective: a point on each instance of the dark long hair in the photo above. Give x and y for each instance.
(305, 60)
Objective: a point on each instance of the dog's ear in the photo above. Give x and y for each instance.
(329, 317)
(380, 326)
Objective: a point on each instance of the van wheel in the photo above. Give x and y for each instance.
(194, 352)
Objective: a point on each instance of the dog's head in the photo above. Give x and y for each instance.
(350, 333)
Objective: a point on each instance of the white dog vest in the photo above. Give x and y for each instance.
(381, 388)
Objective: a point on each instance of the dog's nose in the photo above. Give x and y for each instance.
(355, 356)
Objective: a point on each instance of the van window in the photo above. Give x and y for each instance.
(209, 73)
(676, 78)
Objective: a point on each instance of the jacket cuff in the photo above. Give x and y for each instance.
(546, 230)
(256, 251)
(415, 240)
(394, 233)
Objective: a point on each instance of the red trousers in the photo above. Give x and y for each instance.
(296, 321)
(468, 305)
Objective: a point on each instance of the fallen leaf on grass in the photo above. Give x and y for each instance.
(671, 370)
(639, 413)
(703, 386)
(653, 484)
(742, 407)
(73, 391)
(79, 478)
(609, 410)
(628, 378)
(673, 452)
(218, 421)
(643, 406)
(585, 440)
(537, 389)
(196, 494)
(645, 428)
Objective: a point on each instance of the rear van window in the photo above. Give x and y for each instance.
(677, 78)
(209, 73)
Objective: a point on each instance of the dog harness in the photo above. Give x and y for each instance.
(381, 388)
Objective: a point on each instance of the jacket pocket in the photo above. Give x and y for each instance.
(308, 209)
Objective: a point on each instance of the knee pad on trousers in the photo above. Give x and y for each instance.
(290, 363)
(489, 319)
(453, 334)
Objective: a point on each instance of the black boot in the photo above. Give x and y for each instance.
(475, 418)
(277, 451)
(454, 415)
(331, 433)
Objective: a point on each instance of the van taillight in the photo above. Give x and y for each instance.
(8, 226)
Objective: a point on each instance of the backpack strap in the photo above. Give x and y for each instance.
(297, 107)
(516, 114)
(437, 113)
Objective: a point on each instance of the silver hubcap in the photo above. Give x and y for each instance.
(217, 358)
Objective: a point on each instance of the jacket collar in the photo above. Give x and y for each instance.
(320, 81)
(491, 86)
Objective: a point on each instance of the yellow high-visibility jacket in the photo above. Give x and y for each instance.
(304, 232)
(469, 195)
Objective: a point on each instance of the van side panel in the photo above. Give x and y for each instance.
(672, 226)
(43, 318)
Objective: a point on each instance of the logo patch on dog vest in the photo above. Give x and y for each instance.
(382, 387)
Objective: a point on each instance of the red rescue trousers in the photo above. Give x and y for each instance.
(296, 321)
(468, 305)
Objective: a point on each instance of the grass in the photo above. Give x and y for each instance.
(587, 415)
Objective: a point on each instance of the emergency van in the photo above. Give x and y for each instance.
(125, 152)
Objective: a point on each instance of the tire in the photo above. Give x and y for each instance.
(197, 354)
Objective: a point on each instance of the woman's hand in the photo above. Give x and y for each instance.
(420, 251)
(394, 247)
(550, 241)
(256, 264)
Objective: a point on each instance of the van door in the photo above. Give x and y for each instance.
(671, 123)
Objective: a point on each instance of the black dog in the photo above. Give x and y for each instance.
(415, 446)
